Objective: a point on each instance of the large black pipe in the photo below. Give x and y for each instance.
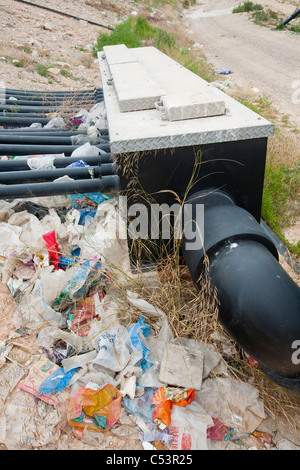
(259, 302)
(38, 176)
(105, 184)
(20, 150)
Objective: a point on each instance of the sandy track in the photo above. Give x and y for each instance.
(258, 56)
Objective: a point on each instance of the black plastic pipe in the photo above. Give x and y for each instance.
(13, 114)
(20, 164)
(77, 173)
(43, 140)
(22, 91)
(290, 18)
(259, 302)
(32, 132)
(66, 14)
(15, 108)
(105, 184)
(35, 100)
(54, 102)
(17, 121)
(20, 150)
(61, 131)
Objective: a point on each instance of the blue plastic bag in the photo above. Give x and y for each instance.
(136, 332)
(56, 381)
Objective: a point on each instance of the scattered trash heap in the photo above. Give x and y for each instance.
(91, 373)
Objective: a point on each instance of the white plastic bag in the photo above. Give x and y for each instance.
(43, 162)
(235, 403)
(112, 349)
(87, 150)
(189, 427)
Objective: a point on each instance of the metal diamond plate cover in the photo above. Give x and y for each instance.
(145, 130)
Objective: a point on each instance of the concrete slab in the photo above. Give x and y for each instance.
(180, 106)
(134, 85)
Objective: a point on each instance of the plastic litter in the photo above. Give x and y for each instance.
(38, 373)
(57, 381)
(223, 71)
(87, 150)
(189, 427)
(164, 399)
(42, 162)
(81, 316)
(182, 366)
(86, 277)
(141, 407)
(113, 352)
(94, 408)
(52, 247)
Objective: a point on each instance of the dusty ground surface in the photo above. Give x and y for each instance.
(32, 37)
(259, 57)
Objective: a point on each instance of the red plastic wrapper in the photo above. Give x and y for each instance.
(218, 431)
(52, 248)
(85, 310)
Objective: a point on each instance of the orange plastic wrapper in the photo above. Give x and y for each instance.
(94, 409)
(165, 399)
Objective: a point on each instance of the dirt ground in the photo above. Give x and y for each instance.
(258, 57)
(32, 36)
